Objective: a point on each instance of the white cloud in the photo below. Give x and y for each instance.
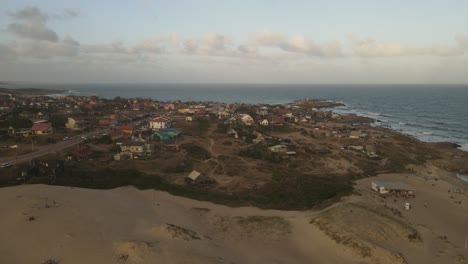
(371, 48)
(297, 44)
(215, 42)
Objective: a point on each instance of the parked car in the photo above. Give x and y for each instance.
(14, 146)
(6, 165)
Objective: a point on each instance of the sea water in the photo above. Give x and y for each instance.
(429, 112)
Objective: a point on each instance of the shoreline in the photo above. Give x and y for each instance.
(379, 123)
(422, 136)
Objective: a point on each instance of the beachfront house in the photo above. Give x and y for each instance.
(396, 188)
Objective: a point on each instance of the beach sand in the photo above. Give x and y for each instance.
(126, 225)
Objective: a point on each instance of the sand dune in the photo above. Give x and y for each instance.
(125, 225)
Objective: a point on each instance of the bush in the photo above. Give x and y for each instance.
(201, 126)
(196, 151)
(222, 128)
(260, 152)
(227, 143)
(104, 140)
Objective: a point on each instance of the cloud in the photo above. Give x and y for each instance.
(30, 13)
(153, 46)
(68, 47)
(71, 12)
(6, 53)
(114, 47)
(462, 41)
(297, 44)
(31, 23)
(369, 48)
(190, 46)
(215, 42)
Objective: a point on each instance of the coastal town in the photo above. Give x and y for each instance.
(294, 156)
(230, 148)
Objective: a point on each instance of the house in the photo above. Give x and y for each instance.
(48, 168)
(259, 138)
(136, 107)
(357, 135)
(264, 122)
(357, 148)
(75, 123)
(247, 120)
(277, 120)
(42, 129)
(20, 131)
(196, 178)
(185, 111)
(80, 152)
(232, 132)
(189, 119)
(170, 143)
(194, 175)
(278, 148)
(169, 107)
(263, 111)
(166, 133)
(371, 151)
(135, 150)
(127, 129)
(280, 111)
(392, 188)
(115, 134)
(160, 123)
(222, 114)
(104, 122)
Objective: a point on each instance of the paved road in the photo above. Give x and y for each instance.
(48, 149)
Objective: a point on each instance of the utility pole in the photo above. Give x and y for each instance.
(466, 242)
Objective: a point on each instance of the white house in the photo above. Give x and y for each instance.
(247, 120)
(160, 123)
(264, 122)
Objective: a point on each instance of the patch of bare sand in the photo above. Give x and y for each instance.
(126, 225)
(369, 232)
(438, 212)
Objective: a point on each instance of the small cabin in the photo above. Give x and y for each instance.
(392, 188)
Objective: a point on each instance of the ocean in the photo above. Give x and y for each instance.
(429, 112)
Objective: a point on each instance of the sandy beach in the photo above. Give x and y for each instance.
(126, 225)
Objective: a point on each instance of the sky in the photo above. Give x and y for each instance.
(221, 41)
